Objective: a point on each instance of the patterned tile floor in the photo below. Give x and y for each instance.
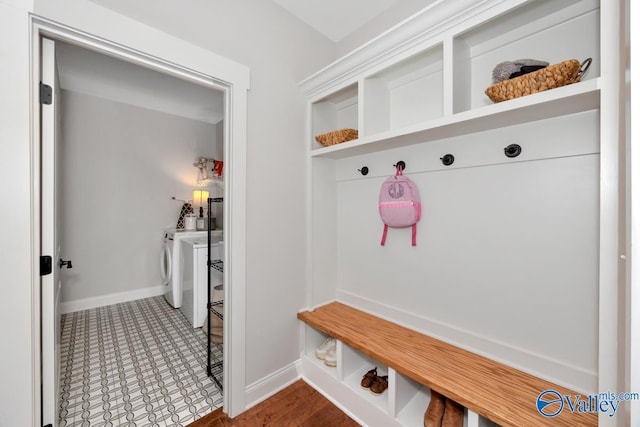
(134, 364)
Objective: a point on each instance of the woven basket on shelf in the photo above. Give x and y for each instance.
(337, 136)
(562, 74)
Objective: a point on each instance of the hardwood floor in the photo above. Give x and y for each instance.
(298, 405)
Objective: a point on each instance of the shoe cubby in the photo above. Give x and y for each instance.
(354, 366)
(548, 30)
(410, 400)
(313, 339)
(338, 110)
(404, 94)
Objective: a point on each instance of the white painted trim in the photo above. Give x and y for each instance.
(309, 209)
(109, 299)
(272, 383)
(199, 66)
(145, 42)
(612, 230)
(633, 218)
(535, 364)
(403, 39)
(235, 218)
(36, 282)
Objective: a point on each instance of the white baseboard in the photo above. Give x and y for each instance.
(115, 298)
(535, 364)
(271, 384)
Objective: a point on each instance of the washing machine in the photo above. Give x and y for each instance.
(171, 262)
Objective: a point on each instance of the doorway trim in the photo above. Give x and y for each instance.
(212, 71)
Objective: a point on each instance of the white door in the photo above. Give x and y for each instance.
(50, 246)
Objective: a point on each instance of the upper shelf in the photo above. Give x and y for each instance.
(576, 98)
(416, 85)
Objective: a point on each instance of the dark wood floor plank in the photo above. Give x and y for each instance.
(298, 405)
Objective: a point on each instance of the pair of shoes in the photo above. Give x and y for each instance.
(376, 384)
(380, 384)
(435, 410)
(368, 378)
(443, 412)
(453, 414)
(327, 352)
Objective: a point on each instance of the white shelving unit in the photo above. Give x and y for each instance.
(411, 400)
(337, 110)
(404, 94)
(416, 93)
(537, 30)
(342, 384)
(402, 404)
(355, 365)
(314, 339)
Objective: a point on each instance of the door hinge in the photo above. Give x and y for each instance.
(46, 265)
(46, 94)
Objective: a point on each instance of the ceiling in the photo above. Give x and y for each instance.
(91, 73)
(335, 19)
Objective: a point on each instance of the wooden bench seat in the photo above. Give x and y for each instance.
(498, 392)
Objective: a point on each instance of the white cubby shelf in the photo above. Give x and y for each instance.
(566, 100)
(435, 88)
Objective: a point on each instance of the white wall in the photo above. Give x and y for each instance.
(120, 165)
(16, 398)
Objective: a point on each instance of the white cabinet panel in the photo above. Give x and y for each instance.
(507, 252)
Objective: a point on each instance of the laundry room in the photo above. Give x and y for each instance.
(139, 155)
(129, 142)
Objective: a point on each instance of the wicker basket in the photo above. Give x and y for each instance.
(337, 136)
(550, 77)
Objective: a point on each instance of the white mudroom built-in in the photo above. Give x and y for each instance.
(502, 286)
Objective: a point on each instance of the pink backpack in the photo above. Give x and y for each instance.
(399, 204)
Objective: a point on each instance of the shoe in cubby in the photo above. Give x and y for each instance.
(435, 411)
(453, 414)
(330, 358)
(323, 349)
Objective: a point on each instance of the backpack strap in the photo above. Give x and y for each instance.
(414, 230)
(384, 235)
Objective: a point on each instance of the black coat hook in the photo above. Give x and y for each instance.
(364, 170)
(402, 165)
(512, 150)
(447, 159)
